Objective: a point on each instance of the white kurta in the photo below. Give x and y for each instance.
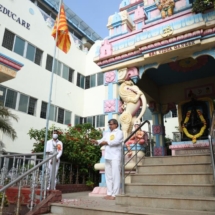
(113, 153)
(50, 147)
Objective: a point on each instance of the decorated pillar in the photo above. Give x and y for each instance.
(158, 129)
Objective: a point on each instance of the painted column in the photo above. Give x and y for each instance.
(111, 106)
(158, 129)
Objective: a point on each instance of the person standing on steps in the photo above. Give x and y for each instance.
(113, 142)
(52, 146)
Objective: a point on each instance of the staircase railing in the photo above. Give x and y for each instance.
(26, 171)
(124, 154)
(211, 138)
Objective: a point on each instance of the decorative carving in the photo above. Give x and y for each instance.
(158, 151)
(185, 146)
(132, 72)
(168, 31)
(139, 13)
(106, 49)
(109, 106)
(139, 137)
(166, 7)
(157, 129)
(132, 97)
(120, 107)
(122, 74)
(110, 77)
(153, 106)
(188, 64)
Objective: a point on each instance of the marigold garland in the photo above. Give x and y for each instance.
(194, 137)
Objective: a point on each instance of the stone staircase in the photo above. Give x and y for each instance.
(179, 185)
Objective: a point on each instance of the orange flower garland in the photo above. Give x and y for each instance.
(194, 137)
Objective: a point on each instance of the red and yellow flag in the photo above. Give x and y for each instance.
(63, 40)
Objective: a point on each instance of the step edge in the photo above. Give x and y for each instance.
(152, 184)
(178, 164)
(199, 198)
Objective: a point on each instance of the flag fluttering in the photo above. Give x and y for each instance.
(62, 32)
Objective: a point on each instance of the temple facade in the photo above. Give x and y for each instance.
(167, 51)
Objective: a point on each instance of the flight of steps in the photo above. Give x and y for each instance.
(179, 185)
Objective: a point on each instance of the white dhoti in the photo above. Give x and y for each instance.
(112, 176)
(50, 174)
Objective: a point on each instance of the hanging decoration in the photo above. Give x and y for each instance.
(194, 137)
(188, 64)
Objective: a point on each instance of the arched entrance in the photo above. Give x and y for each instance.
(188, 84)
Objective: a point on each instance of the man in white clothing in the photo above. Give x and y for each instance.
(113, 141)
(54, 145)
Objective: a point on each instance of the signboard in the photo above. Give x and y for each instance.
(171, 48)
(13, 16)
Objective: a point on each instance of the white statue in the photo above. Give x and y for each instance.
(133, 98)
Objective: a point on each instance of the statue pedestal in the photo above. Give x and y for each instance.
(188, 148)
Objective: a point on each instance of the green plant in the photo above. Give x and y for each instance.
(89, 183)
(77, 148)
(5, 124)
(6, 203)
(200, 6)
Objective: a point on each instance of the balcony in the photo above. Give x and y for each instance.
(8, 68)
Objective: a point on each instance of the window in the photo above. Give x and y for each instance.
(57, 67)
(56, 114)
(49, 61)
(100, 121)
(174, 113)
(43, 110)
(2, 98)
(91, 120)
(27, 104)
(23, 103)
(80, 120)
(60, 117)
(100, 78)
(52, 112)
(22, 47)
(60, 69)
(38, 56)
(32, 106)
(8, 40)
(95, 121)
(65, 74)
(30, 52)
(87, 82)
(71, 72)
(18, 101)
(67, 118)
(80, 80)
(92, 80)
(19, 46)
(10, 100)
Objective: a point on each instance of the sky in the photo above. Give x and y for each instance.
(95, 13)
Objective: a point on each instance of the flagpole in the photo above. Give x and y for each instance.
(50, 91)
